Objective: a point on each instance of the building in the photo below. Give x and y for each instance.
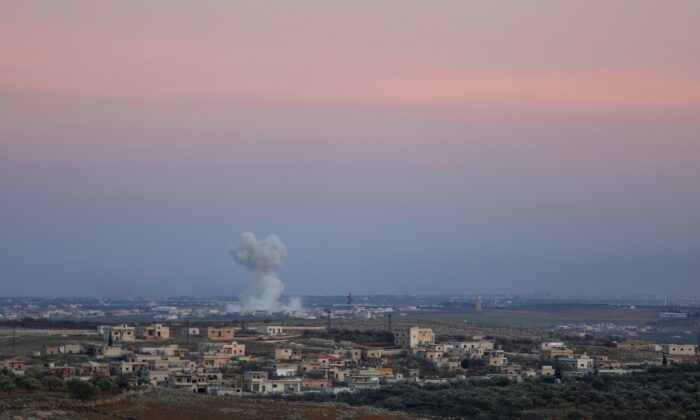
(259, 382)
(680, 349)
(286, 370)
(496, 358)
(15, 365)
(270, 330)
(287, 353)
(363, 381)
(220, 334)
(477, 304)
(311, 383)
(119, 333)
(547, 371)
(154, 332)
(234, 349)
(554, 350)
(414, 337)
(584, 362)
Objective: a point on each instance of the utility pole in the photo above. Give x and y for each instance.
(328, 311)
(187, 335)
(14, 339)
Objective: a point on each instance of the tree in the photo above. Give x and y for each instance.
(52, 382)
(104, 383)
(664, 361)
(7, 384)
(26, 382)
(81, 390)
(465, 364)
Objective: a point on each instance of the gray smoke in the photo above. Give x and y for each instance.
(263, 259)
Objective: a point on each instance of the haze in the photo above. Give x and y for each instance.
(394, 146)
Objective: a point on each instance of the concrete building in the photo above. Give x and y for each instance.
(477, 304)
(119, 333)
(286, 370)
(680, 349)
(260, 383)
(584, 362)
(220, 334)
(154, 332)
(414, 337)
(287, 353)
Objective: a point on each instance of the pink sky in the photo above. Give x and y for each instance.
(543, 55)
(398, 146)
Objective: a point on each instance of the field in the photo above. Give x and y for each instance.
(543, 316)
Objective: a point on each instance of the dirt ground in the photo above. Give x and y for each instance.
(161, 404)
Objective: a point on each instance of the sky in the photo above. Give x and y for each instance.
(418, 147)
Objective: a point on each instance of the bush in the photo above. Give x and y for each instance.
(104, 384)
(52, 382)
(81, 390)
(7, 384)
(26, 382)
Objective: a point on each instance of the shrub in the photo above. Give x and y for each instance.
(52, 382)
(81, 390)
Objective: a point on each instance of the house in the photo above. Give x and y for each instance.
(680, 349)
(216, 360)
(547, 371)
(91, 368)
(121, 332)
(287, 353)
(311, 383)
(220, 334)
(234, 349)
(154, 332)
(496, 358)
(225, 391)
(199, 381)
(584, 362)
(255, 381)
(320, 359)
(373, 353)
(555, 349)
(64, 371)
(170, 350)
(65, 349)
(286, 370)
(158, 377)
(15, 365)
(363, 381)
(414, 337)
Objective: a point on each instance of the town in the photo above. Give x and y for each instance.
(265, 359)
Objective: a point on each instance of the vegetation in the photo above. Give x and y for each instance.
(659, 392)
(36, 380)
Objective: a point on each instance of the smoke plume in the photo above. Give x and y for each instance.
(263, 258)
